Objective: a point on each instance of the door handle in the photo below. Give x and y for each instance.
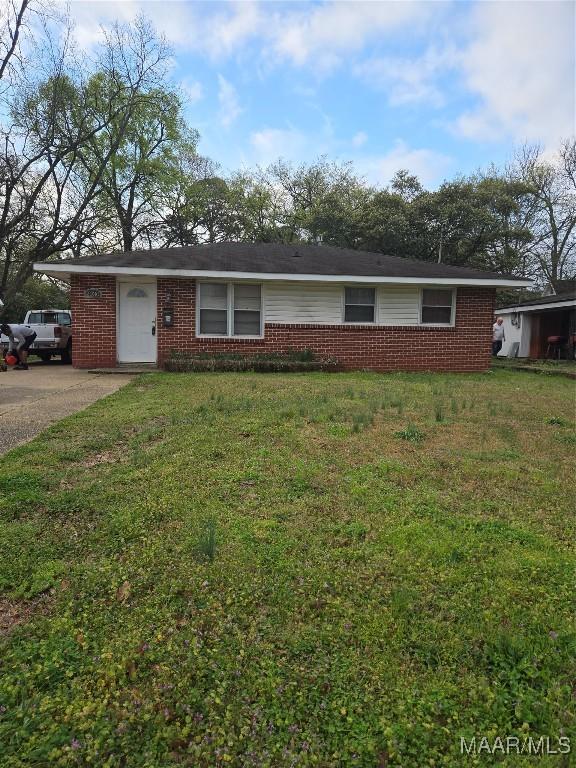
(154, 327)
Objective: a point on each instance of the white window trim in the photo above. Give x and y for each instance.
(229, 309)
(364, 322)
(452, 322)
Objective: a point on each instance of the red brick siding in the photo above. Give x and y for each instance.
(465, 347)
(183, 303)
(93, 322)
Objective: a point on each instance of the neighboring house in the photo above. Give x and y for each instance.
(368, 310)
(529, 324)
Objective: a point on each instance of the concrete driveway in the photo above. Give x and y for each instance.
(32, 400)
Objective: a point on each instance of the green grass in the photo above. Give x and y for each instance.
(290, 570)
(546, 365)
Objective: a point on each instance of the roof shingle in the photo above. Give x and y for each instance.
(279, 258)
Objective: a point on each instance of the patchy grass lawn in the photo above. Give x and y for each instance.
(542, 366)
(290, 570)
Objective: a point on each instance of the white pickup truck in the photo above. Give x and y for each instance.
(53, 329)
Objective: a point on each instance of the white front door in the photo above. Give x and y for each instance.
(136, 322)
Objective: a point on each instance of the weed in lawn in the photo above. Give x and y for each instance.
(357, 423)
(567, 439)
(557, 421)
(43, 578)
(454, 406)
(362, 420)
(410, 433)
(438, 413)
(206, 545)
(355, 530)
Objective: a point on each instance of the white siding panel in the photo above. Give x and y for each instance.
(289, 303)
(322, 303)
(398, 305)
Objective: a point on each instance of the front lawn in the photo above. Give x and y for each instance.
(291, 570)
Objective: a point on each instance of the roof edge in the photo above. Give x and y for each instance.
(535, 307)
(64, 268)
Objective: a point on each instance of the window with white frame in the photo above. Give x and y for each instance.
(247, 309)
(229, 309)
(437, 306)
(359, 304)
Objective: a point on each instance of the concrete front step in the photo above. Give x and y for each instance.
(128, 369)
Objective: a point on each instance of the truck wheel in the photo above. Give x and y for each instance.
(45, 356)
(67, 354)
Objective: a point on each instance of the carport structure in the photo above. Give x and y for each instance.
(539, 328)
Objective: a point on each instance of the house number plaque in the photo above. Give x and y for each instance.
(93, 293)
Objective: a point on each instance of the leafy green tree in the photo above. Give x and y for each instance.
(145, 164)
(36, 293)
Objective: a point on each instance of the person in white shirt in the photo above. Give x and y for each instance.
(21, 337)
(497, 336)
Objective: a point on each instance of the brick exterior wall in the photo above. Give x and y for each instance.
(465, 347)
(93, 322)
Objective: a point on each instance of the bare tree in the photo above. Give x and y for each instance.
(12, 21)
(568, 157)
(56, 118)
(551, 202)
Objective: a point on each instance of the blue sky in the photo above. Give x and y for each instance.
(440, 88)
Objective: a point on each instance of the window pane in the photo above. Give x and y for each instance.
(214, 322)
(246, 323)
(213, 295)
(247, 297)
(64, 318)
(436, 314)
(35, 318)
(359, 314)
(436, 297)
(360, 295)
(50, 317)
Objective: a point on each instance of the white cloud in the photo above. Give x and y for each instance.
(193, 90)
(319, 35)
(521, 66)
(269, 144)
(359, 139)
(322, 36)
(230, 107)
(227, 31)
(177, 21)
(409, 81)
(429, 166)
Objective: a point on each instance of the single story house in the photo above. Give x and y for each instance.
(529, 325)
(368, 310)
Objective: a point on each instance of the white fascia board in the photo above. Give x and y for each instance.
(536, 307)
(268, 276)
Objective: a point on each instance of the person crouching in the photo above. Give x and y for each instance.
(21, 338)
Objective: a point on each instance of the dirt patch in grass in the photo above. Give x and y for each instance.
(107, 457)
(16, 612)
